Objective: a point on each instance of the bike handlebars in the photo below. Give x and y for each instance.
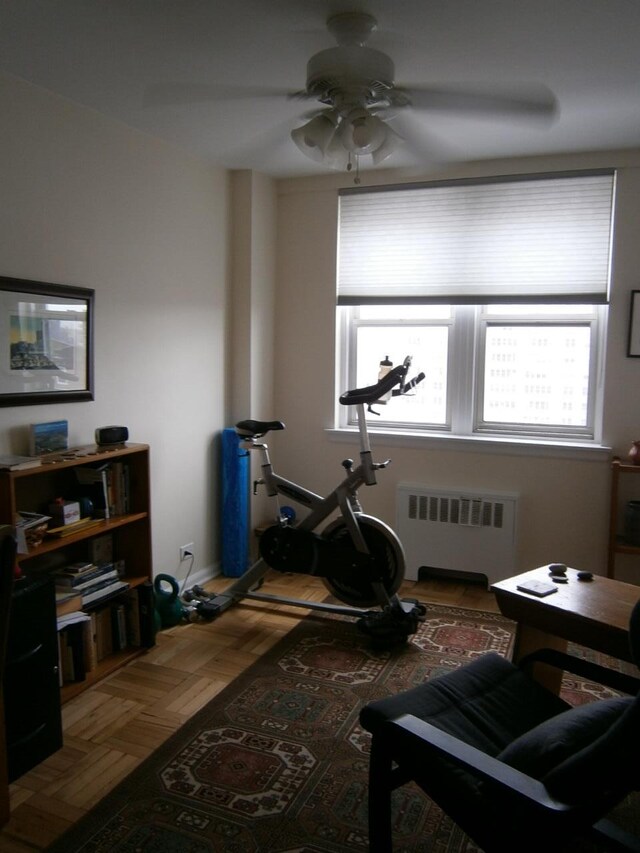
(372, 393)
(409, 385)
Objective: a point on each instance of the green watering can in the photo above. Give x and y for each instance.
(168, 606)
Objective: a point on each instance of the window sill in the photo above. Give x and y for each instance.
(582, 451)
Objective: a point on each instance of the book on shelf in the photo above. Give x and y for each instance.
(118, 487)
(98, 582)
(79, 567)
(14, 462)
(67, 601)
(75, 527)
(104, 643)
(83, 581)
(101, 549)
(66, 619)
(118, 627)
(108, 487)
(90, 642)
(85, 639)
(132, 617)
(76, 572)
(30, 530)
(93, 482)
(71, 652)
(103, 592)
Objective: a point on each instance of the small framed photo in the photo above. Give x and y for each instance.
(46, 343)
(633, 347)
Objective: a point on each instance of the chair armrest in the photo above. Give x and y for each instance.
(422, 735)
(587, 669)
(615, 838)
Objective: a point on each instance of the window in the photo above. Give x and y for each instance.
(505, 313)
(490, 370)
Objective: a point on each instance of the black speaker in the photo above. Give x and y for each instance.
(111, 435)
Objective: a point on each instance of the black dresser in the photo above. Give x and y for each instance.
(31, 684)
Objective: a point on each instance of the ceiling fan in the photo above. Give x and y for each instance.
(365, 113)
(362, 116)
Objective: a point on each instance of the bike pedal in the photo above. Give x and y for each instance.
(390, 627)
(413, 607)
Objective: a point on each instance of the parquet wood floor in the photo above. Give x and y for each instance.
(115, 724)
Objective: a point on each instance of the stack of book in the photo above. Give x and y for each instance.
(94, 583)
(84, 639)
(73, 628)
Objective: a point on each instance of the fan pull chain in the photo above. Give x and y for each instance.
(356, 179)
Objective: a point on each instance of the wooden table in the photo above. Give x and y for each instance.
(591, 613)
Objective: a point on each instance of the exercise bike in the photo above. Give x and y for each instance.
(359, 557)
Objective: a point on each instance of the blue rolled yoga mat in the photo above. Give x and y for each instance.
(235, 506)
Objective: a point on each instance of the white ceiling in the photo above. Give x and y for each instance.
(106, 54)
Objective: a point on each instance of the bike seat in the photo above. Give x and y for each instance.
(254, 429)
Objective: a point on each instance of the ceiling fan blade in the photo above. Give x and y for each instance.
(173, 93)
(260, 148)
(536, 102)
(421, 144)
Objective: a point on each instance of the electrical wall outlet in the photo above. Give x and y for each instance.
(186, 551)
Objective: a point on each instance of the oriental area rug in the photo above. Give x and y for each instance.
(278, 763)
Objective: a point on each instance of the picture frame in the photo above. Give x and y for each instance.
(633, 344)
(46, 342)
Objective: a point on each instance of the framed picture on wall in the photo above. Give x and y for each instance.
(46, 343)
(633, 347)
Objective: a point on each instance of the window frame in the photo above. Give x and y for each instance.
(467, 326)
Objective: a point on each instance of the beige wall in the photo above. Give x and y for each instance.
(563, 510)
(88, 202)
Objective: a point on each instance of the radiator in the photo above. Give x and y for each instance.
(466, 532)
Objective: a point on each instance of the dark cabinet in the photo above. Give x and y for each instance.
(33, 722)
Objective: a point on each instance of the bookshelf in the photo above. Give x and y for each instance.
(34, 489)
(617, 542)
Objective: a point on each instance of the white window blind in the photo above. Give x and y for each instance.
(539, 238)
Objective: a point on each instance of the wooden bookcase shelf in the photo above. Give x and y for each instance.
(104, 526)
(33, 489)
(617, 543)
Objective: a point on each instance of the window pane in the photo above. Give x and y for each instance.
(537, 375)
(428, 345)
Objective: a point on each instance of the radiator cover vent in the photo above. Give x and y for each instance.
(472, 512)
(459, 531)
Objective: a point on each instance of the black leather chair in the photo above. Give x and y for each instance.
(512, 764)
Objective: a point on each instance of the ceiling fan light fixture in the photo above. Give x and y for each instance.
(362, 132)
(314, 137)
(336, 155)
(391, 144)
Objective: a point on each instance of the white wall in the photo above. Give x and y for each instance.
(249, 360)
(563, 510)
(89, 202)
